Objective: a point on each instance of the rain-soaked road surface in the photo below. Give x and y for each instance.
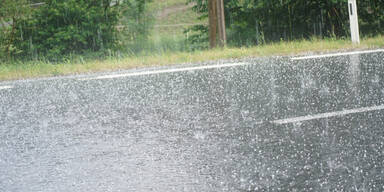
(277, 124)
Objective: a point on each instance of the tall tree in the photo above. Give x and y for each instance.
(212, 12)
(221, 23)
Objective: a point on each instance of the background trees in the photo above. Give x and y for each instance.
(62, 27)
(258, 21)
(135, 24)
(68, 26)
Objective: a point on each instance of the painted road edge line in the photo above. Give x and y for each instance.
(5, 87)
(327, 115)
(166, 71)
(336, 54)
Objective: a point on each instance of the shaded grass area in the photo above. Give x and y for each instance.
(33, 69)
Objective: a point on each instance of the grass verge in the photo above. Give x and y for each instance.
(33, 69)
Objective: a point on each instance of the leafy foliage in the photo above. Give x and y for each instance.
(258, 21)
(135, 25)
(11, 12)
(68, 26)
(63, 27)
(197, 37)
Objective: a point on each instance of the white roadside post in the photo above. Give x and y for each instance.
(354, 23)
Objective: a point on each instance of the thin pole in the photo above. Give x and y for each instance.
(354, 23)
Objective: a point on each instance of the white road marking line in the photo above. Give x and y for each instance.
(336, 54)
(327, 115)
(5, 87)
(166, 71)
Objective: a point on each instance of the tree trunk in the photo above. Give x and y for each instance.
(221, 20)
(212, 13)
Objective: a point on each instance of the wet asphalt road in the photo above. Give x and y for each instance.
(200, 130)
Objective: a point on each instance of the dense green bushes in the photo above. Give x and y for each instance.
(63, 27)
(68, 26)
(11, 12)
(252, 22)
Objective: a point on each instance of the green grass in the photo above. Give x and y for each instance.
(32, 69)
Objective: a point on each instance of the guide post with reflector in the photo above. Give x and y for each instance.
(354, 23)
